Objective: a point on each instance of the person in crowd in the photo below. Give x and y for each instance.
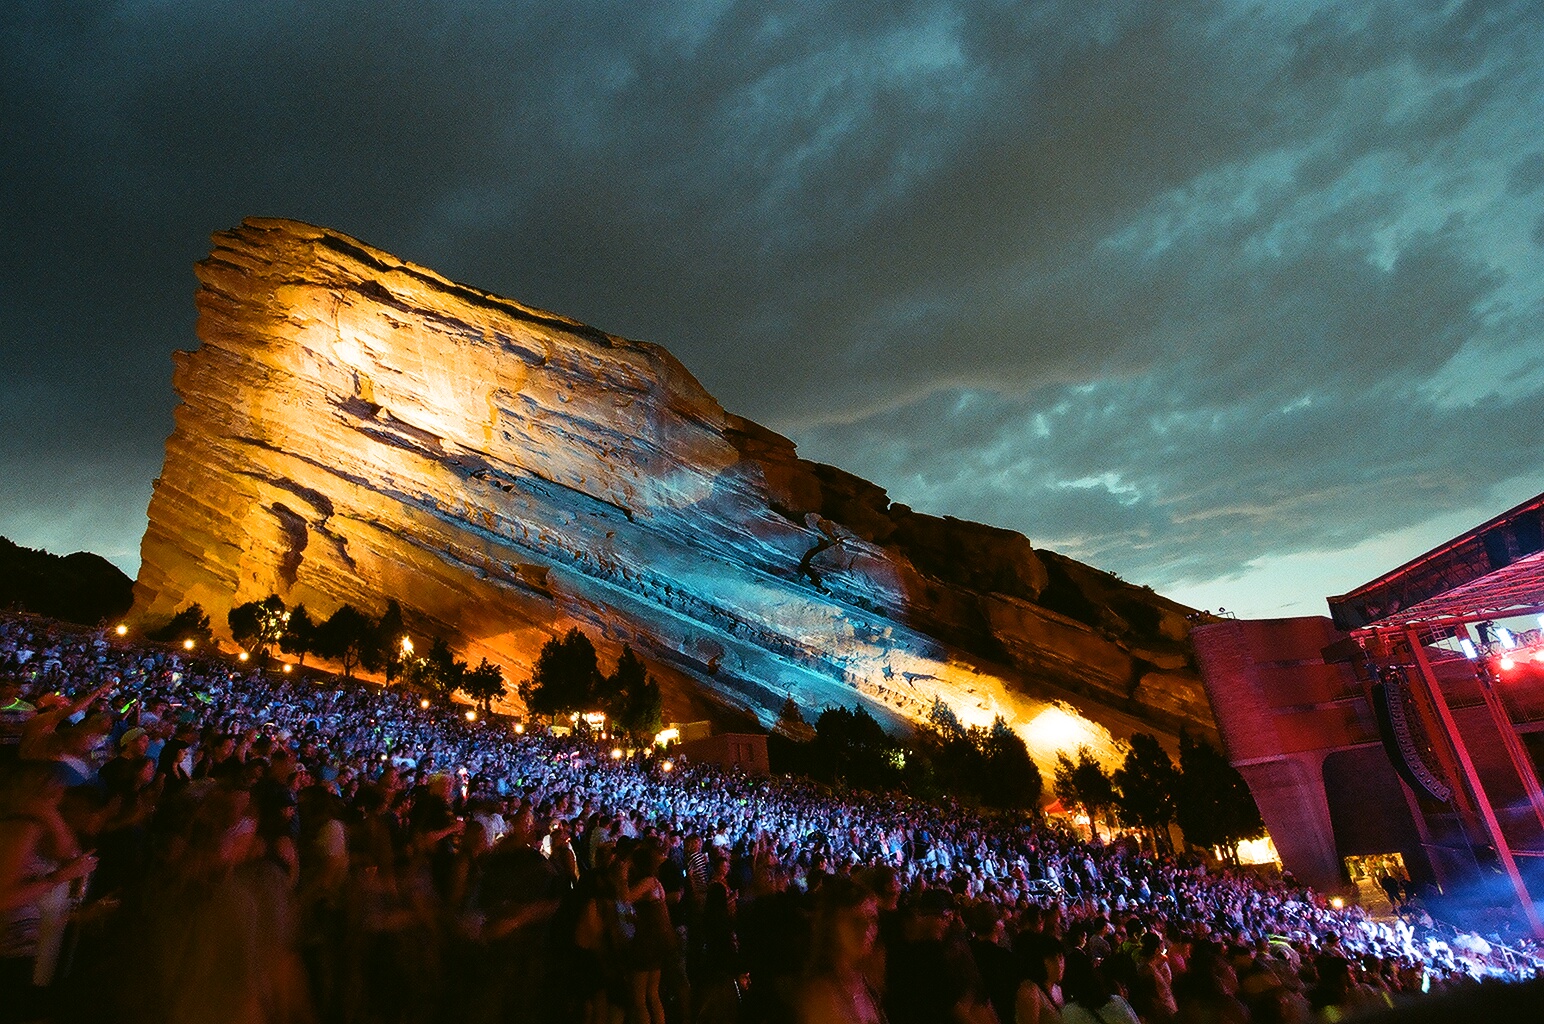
(1089, 997)
(1043, 960)
(40, 862)
(834, 989)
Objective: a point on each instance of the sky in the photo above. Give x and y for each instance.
(1238, 300)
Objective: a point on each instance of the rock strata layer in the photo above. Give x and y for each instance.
(355, 428)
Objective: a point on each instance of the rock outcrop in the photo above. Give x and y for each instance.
(355, 428)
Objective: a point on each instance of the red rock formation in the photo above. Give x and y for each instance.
(356, 428)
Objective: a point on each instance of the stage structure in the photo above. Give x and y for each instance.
(1411, 722)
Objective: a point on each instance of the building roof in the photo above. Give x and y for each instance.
(1492, 571)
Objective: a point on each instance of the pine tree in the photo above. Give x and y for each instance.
(389, 634)
(1083, 783)
(1146, 783)
(442, 672)
(1010, 779)
(299, 637)
(1214, 806)
(632, 698)
(565, 679)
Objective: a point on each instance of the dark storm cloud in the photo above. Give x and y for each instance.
(1173, 286)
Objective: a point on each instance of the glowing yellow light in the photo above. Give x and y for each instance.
(187, 645)
(407, 646)
(424, 703)
(288, 667)
(471, 716)
(519, 728)
(1059, 729)
(667, 735)
(667, 766)
(1258, 851)
(616, 753)
(1338, 903)
(243, 656)
(122, 630)
(595, 719)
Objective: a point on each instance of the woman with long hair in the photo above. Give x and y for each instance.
(835, 989)
(1043, 960)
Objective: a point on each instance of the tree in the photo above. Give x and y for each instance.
(565, 679)
(1213, 804)
(1083, 783)
(389, 634)
(791, 723)
(632, 698)
(188, 624)
(441, 672)
(955, 754)
(944, 721)
(347, 636)
(299, 637)
(1146, 783)
(1010, 779)
(853, 747)
(484, 684)
(258, 625)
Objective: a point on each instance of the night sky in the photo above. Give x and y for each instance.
(1242, 301)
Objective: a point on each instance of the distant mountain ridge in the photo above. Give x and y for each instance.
(82, 587)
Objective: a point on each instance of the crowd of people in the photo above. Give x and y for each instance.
(191, 840)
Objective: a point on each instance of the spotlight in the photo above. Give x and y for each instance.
(667, 766)
(424, 703)
(243, 656)
(288, 668)
(122, 630)
(471, 716)
(1338, 903)
(187, 645)
(616, 753)
(407, 646)
(519, 728)
(1467, 646)
(1507, 640)
(1507, 662)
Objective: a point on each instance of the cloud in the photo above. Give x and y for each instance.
(1173, 287)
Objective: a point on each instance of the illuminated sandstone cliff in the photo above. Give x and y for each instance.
(354, 428)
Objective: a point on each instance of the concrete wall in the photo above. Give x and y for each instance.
(1282, 712)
